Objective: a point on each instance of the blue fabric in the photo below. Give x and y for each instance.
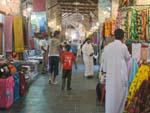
(16, 86)
(134, 70)
(42, 25)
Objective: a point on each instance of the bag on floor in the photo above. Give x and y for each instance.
(22, 84)
(16, 86)
(6, 92)
(98, 92)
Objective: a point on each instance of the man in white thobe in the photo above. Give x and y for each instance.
(116, 56)
(88, 52)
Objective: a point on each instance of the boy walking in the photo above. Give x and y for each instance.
(67, 60)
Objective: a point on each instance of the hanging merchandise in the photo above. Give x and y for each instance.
(38, 22)
(135, 21)
(142, 74)
(139, 92)
(144, 53)
(109, 27)
(133, 32)
(125, 3)
(1, 39)
(136, 51)
(148, 25)
(142, 102)
(39, 5)
(148, 55)
(18, 34)
(133, 71)
(143, 15)
(8, 33)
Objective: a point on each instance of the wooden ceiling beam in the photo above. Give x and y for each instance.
(70, 11)
(80, 5)
(73, 8)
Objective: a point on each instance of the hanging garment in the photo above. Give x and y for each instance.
(115, 57)
(1, 40)
(133, 72)
(29, 34)
(87, 49)
(18, 34)
(142, 74)
(32, 45)
(144, 53)
(39, 5)
(136, 51)
(143, 36)
(148, 25)
(8, 22)
(133, 27)
(148, 55)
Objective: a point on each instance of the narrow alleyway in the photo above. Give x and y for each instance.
(45, 98)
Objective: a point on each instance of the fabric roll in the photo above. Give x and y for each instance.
(1, 41)
(134, 70)
(8, 35)
(144, 53)
(39, 5)
(18, 34)
(32, 45)
(136, 51)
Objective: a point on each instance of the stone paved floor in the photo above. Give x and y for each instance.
(44, 98)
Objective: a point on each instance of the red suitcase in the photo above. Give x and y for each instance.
(22, 85)
(6, 92)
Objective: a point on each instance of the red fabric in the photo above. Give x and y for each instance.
(32, 46)
(39, 5)
(8, 23)
(67, 59)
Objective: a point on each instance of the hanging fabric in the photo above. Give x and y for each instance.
(29, 34)
(136, 51)
(141, 102)
(144, 53)
(8, 35)
(1, 40)
(143, 36)
(133, 32)
(32, 45)
(39, 5)
(142, 74)
(133, 72)
(18, 34)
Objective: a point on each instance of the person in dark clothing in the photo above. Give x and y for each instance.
(67, 59)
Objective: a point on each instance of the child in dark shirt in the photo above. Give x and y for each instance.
(67, 60)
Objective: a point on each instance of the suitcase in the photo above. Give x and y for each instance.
(16, 86)
(98, 92)
(22, 84)
(6, 92)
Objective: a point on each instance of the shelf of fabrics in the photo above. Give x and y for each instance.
(135, 21)
(12, 83)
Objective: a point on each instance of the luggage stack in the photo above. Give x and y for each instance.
(12, 84)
